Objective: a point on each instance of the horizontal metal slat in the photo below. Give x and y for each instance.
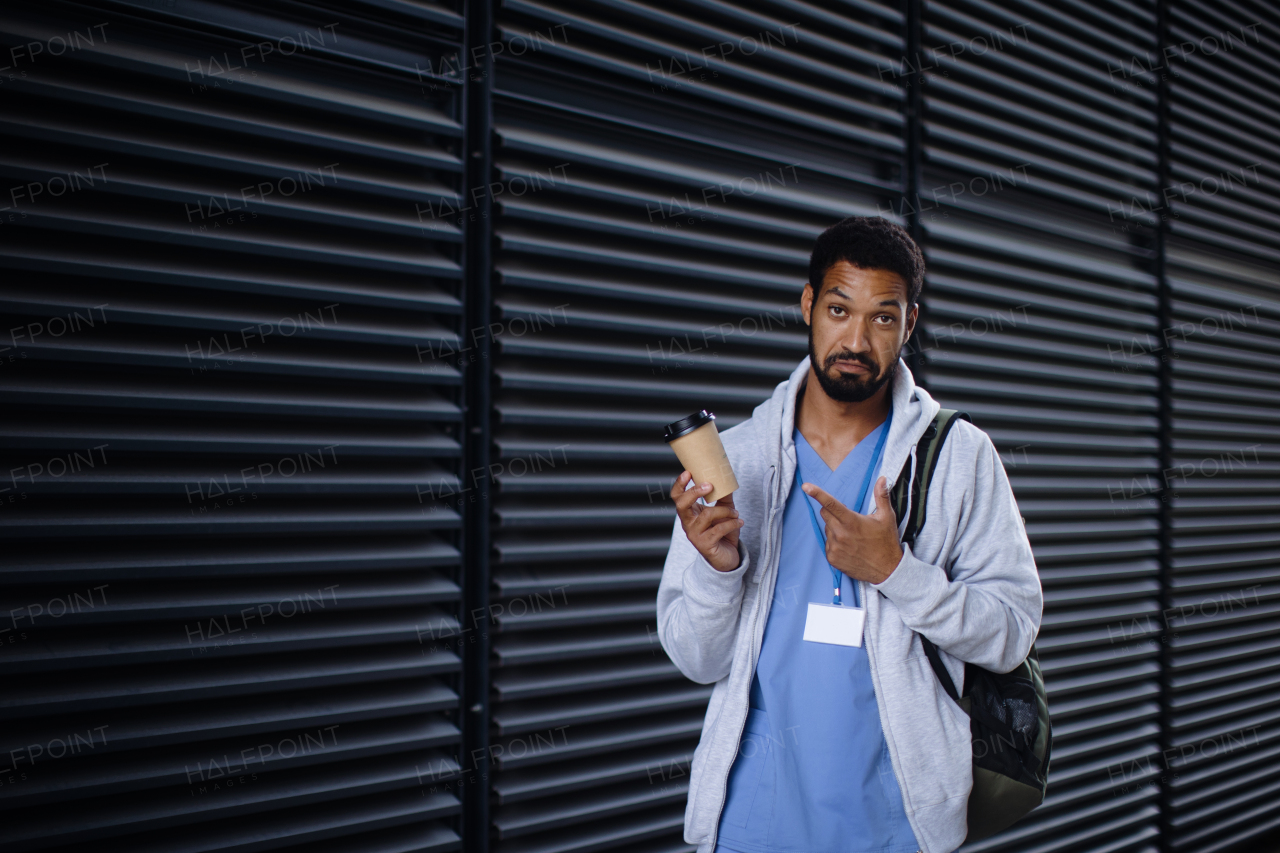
(248, 677)
(375, 818)
(564, 679)
(282, 789)
(584, 742)
(543, 715)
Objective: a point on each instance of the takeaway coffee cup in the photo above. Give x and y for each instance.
(697, 443)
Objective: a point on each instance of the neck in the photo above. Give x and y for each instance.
(834, 428)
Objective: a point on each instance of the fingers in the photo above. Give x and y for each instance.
(884, 506)
(829, 503)
(727, 528)
(677, 488)
(707, 527)
(709, 516)
(683, 503)
(684, 498)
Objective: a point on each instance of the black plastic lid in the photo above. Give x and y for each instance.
(684, 426)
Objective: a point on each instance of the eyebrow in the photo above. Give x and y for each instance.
(836, 291)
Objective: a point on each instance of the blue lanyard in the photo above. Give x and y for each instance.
(857, 507)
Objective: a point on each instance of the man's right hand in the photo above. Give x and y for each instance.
(713, 530)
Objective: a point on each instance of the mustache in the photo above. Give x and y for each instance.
(850, 356)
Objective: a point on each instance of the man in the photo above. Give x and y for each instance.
(831, 732)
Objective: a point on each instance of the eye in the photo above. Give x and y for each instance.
(885, 319)
(836, 310)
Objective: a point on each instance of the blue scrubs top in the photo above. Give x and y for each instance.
(813, 773)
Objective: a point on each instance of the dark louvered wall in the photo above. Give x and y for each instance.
(652, 268)
(1224, 341)
(220, 584)
(1226, 557)
(659, 172)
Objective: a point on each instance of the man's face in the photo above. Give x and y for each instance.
(857, 327)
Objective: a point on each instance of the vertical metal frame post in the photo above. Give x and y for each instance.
(1164, 368)
(913, 159)
(477, 299)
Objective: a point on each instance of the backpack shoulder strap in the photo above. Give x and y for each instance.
(927, 452)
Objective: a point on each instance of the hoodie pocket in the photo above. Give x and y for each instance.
(931, 739)
(749, 800)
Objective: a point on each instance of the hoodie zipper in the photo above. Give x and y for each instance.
(902, 788)
(765, 555)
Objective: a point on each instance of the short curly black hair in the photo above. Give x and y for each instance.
(870, 243)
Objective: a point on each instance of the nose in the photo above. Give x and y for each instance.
(857, 337)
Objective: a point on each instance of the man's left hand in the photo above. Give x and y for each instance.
(864, 547)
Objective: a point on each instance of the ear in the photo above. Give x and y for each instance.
(912, 316)
(806, 303)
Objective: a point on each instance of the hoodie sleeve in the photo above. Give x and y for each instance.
(988, 612)
(698, 609)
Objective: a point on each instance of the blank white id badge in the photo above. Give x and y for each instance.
(834, 624)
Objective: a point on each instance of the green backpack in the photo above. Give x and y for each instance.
(1008, 712)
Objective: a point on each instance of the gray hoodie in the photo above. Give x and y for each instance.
(711, 623)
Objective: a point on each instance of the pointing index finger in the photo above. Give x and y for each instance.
(828, 502)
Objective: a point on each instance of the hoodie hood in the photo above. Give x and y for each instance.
(913, 411)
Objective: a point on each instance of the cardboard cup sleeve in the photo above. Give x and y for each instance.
(697, 444)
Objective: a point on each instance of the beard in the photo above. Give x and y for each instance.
(850, 388)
